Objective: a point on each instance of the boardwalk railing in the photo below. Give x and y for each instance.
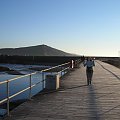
(63, 68)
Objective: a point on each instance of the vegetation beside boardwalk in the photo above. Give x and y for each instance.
(113, 61)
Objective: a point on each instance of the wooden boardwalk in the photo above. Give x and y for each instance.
(75, 100)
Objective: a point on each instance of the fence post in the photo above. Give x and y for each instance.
(43, 80)
(8, 100)
(61, 71)
(72, 64)
(30, 87)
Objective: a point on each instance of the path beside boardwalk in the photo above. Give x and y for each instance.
(76, 100)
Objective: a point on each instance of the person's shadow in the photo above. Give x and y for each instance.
(93, 105)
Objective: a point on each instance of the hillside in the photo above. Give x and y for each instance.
(40, 50)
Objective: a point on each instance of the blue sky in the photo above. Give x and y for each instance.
(85, 27)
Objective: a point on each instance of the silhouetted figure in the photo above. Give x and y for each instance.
(82, 58)
(89, 63)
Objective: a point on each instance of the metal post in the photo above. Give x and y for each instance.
(69, 67)
(61, 71)
(43, 80)
(30, 87)
(64, 71)
(51, 72)
(8, 100)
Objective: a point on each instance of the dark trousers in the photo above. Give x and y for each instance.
(89, 74)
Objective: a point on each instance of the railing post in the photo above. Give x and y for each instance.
(64, 70)
(30, 86)
(72, 64)
(43, 80)
(61, 71)
(69, 67)
(8, 100)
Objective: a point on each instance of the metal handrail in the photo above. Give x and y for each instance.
(17, 78)
(33, 73)
(30, 87)
(4, 100)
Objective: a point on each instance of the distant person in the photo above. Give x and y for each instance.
(89, 63)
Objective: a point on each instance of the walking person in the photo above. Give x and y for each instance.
(89, 63)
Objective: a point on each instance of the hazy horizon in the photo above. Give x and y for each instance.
(84, 27)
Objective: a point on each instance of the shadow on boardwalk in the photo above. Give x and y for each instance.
(75, 100)
(93, 108)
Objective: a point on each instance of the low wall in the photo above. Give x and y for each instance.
(37, 59)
